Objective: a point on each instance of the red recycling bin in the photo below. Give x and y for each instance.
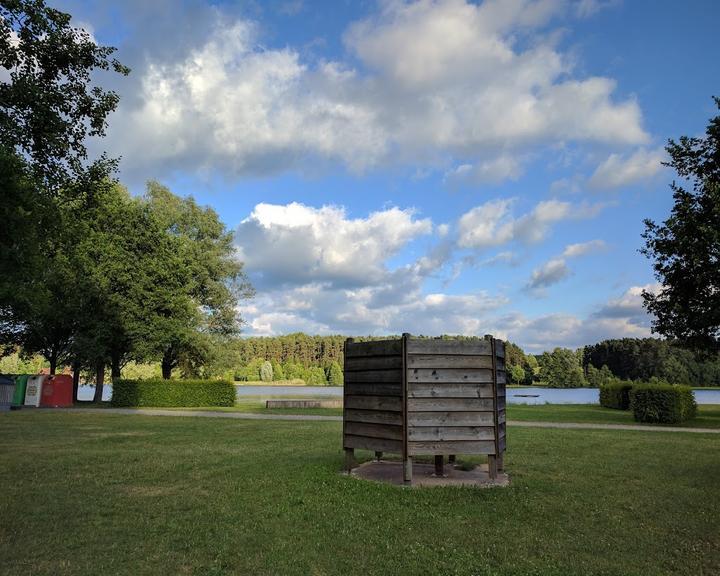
(57, 391)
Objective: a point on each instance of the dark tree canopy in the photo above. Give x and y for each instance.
(48, 103)
(686, 247)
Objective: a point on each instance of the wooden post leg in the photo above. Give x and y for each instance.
(501, 463)
(451, 459)
(492, 467)
(378, 455)
(350, 462)
(439, 466)
(407, 470)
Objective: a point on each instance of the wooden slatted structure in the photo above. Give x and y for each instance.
(422, 396)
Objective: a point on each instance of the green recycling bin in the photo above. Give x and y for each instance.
(20, 385)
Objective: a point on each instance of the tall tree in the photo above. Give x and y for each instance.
(686, 247)
(48, 104)
(211, 278)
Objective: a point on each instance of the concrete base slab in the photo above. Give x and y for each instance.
(391, 472)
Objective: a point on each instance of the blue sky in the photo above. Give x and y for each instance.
(424, 167)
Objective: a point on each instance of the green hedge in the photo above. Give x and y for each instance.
(173, 393)
(662, 403)
(616, 395)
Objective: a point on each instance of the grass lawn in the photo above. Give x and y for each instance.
(708, 414)
(110, 494)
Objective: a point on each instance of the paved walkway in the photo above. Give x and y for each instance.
(311, 417)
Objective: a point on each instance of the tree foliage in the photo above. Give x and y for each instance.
(49, 105)
(686, 247)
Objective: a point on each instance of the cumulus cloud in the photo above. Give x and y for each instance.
(490, 171)
(493, 224)
(573, 250)
(296, 244)
(436, 83)
(617, 171)
(552, 272)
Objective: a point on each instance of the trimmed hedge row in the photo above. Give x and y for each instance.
(159, 393)
(662, 403)
(616, 395)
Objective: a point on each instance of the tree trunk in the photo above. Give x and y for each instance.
(53, 364)
(115, 367)
(167, 366)
(99, 382)
(76, 380)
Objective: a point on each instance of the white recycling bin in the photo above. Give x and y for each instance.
(33, 391)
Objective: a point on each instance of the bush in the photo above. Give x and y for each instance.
(266, 372)
(662, 403)
(278, 372)
(335, 374)
(160, 393)
(616, 395)
(315, 376)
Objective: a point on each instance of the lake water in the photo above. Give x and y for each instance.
(534, 395)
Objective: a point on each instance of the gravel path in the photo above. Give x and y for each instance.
(310, 417)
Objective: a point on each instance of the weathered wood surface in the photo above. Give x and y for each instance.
(375, 444)
(374, 348)
(374, 376)
(362, 363)
(373, 416)
(460, 347)
(450, 419)
(387, 403)
(449, 404)
(390, 432)
(437, 361)
(449, 433)
(449, 375)
(457, 447)
(435, 390)
(373, 389)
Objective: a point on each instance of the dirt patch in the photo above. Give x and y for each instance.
(390, 472)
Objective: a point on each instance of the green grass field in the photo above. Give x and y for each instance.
(109, 494)
(708, 414)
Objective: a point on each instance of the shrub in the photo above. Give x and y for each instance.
(278, 372)
(517, 374)
(662, 403)
(315, 376)
(173, 393)
(616, 395)
(335, 374)
(266, 372)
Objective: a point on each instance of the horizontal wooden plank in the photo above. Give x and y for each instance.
(501, 377)
(499, 364)
(373, 348)
(373, 363)
(374, 430)
(454, 447)
(373, 416)
(388, 403)
(440, 390)
(368, 443)
(449, 375)
(438, 346)
(448, 361)
(372, 389)
(374, 376)
(501, 417)
(449, 404)
(502, 444)
(450, 419)
(448, 433)
(501, 403)
(501, 430)
(500, 348)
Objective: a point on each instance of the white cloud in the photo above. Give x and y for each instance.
(617, 171)
(438, 83)
(573, 250)
(552, 272)
(491, 171)
(492, 223)
(296, 244)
